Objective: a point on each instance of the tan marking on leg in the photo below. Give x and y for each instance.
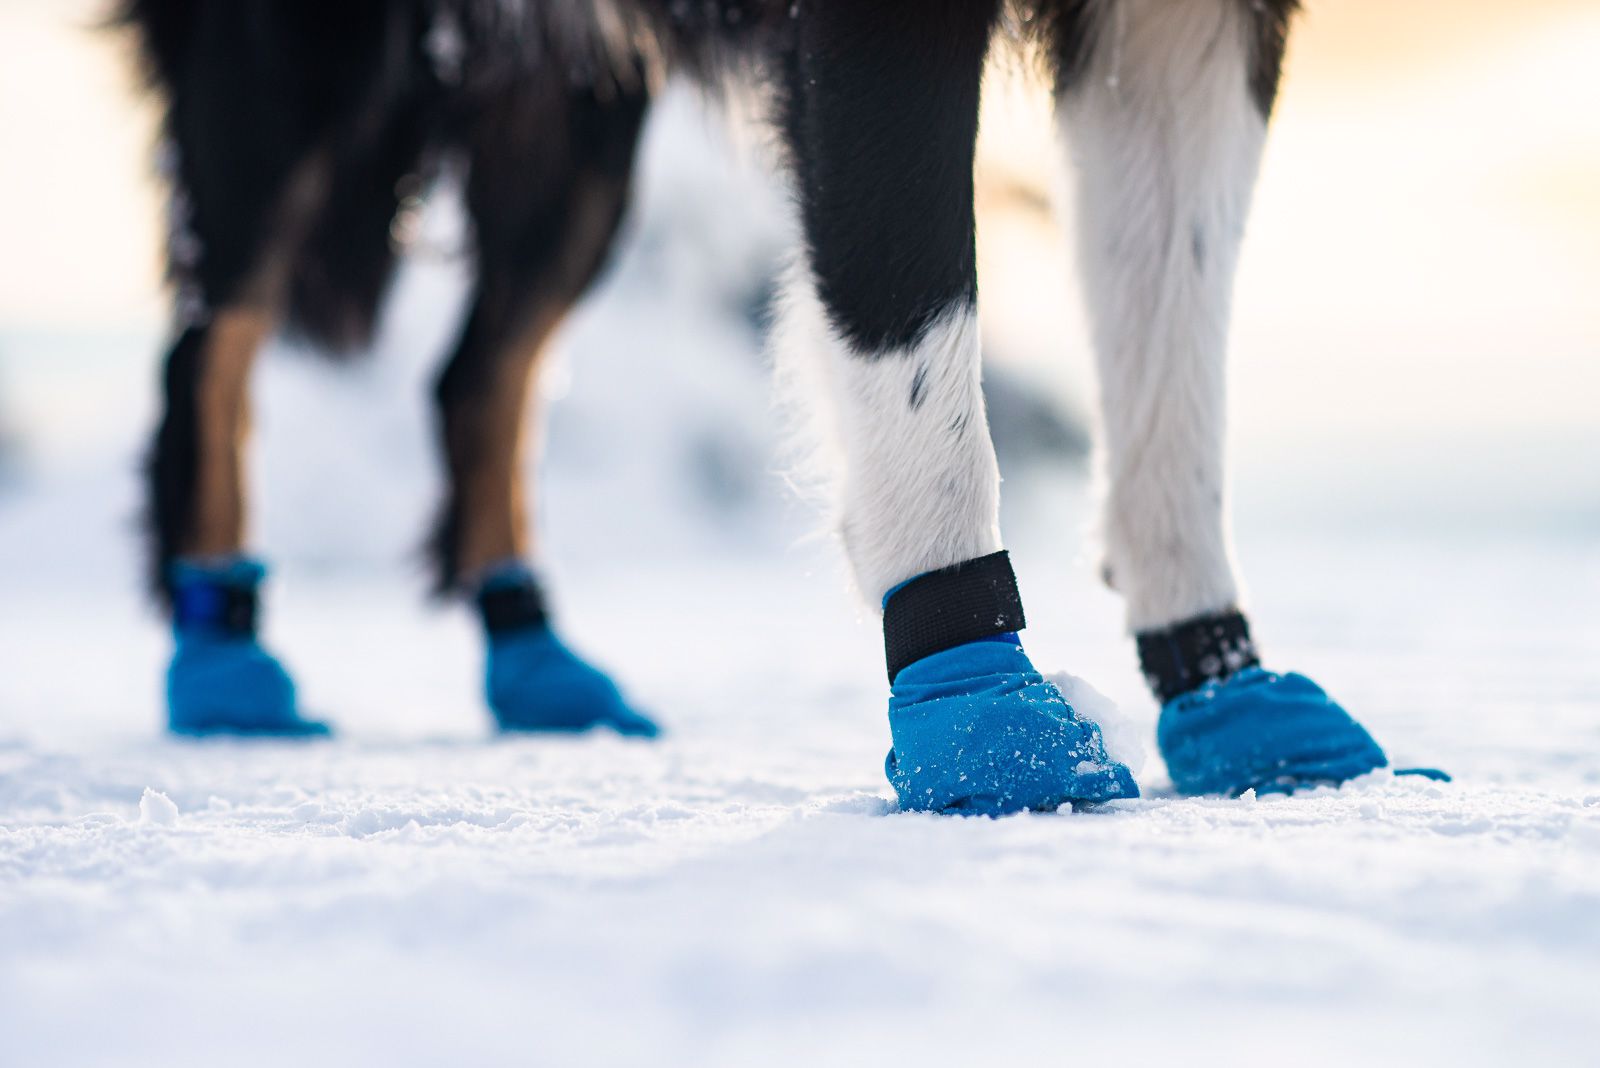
(494, 522)
(223, 399)
(222, 393)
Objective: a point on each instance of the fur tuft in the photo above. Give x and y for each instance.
(805, 395)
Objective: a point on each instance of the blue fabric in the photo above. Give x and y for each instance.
(1257, 730)
(535, 683)
(977, 730)
(219, 682)
(1432, 774)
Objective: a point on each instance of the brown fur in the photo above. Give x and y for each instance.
(234, 339)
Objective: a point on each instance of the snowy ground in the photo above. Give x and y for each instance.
(744, 892)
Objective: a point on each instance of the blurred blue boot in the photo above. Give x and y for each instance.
(977, 730)
(1262, 731)
(533, 681)
(220, 680)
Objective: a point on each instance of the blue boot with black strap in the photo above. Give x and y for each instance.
(1228, 726)
(221, 681)
(532, 680)
(976, 728)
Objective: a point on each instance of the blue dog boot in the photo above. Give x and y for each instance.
(221, 681)
(1262, 731)
(1227, 726)
(533, 681)
(976, 729)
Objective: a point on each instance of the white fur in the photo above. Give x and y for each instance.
(911, 489)
(1167, 141)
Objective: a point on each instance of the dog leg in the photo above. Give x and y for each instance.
(230, 274)
(1165, 107)
(550, 173)
(220, 679)
(228, 355)
(881, 115)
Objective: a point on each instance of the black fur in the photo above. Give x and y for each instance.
(290, 123)
(881, 112)
(1067, 29)
(919, 382)
(172, 464)
(1270, 19)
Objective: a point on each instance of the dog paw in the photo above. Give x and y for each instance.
(535, 683)
(232, 686)
(1265, 732)
(978, 731)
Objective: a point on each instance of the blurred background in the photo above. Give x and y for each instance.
(1415, 361)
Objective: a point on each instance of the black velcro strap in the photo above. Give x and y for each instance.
(962, 603)
(1187, 655)
(230, 610)
(513, 606)
(241, 610)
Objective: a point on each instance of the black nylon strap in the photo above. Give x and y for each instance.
(513, 606)
(952, 606)
(1187, 655)
(231, 610)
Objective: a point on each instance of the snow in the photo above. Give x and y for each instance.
(743, 892)
(156, 808)
(1123, 736)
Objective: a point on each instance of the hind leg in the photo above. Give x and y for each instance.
(882, 114)
(220, 679)
(227, 201)
(1165, 106)
(549, 182)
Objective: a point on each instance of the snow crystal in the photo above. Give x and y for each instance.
(1123, 737)
(156, 809)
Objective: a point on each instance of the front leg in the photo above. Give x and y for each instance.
(881, 114)
(1165, 107)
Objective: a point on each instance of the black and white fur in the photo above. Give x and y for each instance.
(1162, 106)
(295, 123)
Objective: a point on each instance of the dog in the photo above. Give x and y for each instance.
(295, 131)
